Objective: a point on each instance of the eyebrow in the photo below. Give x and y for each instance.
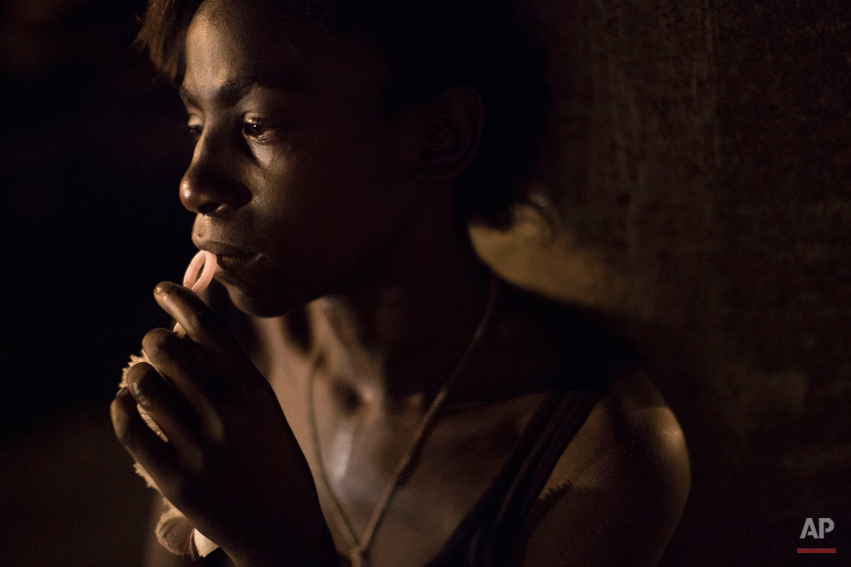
(233, 90)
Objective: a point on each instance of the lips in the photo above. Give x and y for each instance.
(234, 262)
(231, 259)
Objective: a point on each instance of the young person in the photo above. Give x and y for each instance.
(390, 402)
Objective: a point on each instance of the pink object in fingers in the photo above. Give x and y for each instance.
(197, 279)
(198, 276)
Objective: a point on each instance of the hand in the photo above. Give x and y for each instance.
(231, 464)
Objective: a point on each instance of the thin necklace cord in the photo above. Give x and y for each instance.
(358, 547)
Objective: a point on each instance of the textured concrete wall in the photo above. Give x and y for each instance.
(702, 152)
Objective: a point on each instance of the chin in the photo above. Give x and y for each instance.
(259, 304)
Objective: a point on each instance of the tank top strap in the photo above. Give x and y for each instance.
(483, 538)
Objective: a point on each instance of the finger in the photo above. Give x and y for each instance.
(178, 361)
(205, 328)
(166, 406)
(154, 454)
(200, 322)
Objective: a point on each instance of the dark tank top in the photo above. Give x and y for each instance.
(485, 535)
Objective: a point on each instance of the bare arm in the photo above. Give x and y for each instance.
(621, 506)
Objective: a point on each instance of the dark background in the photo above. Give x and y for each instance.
(700, 153)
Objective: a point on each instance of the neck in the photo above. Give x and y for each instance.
(405, 330)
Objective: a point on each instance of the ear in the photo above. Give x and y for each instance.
(452, 134)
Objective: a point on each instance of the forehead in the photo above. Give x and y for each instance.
(231, 42)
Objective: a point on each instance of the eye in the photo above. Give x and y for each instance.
(194, 127)
(194, 132)
(259, 130)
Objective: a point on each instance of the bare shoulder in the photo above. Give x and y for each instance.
(618, 491)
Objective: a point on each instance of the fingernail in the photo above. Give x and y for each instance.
(133, 386)
(161, 288)
(140, 396)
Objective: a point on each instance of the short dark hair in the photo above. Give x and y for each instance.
(430, 46)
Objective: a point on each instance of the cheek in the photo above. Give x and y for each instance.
(363, 199)
(326, 216)
(331, 199)
(266, 156)
(348, 182)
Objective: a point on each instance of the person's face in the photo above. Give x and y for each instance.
(297, 178)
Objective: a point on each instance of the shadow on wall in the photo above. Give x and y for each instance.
(702, 153)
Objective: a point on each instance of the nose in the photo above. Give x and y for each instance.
(211, 183)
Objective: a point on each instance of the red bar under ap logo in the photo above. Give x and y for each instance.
(825, 525)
